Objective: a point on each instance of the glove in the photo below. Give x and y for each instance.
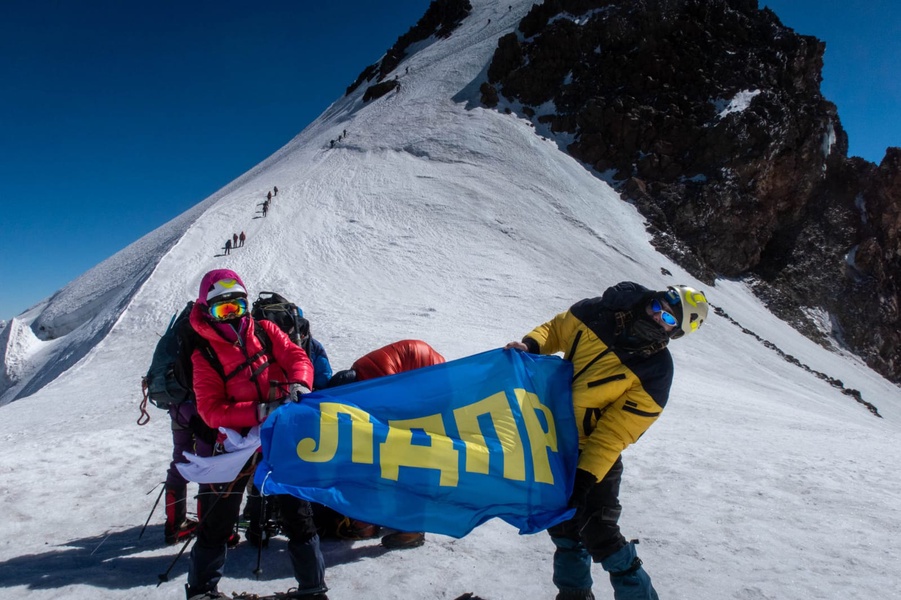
(296, 390)
(582, 485)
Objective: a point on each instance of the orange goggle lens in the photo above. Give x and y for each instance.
(228, 309)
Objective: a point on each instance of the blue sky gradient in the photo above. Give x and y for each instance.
(116, 117)
(861, 66)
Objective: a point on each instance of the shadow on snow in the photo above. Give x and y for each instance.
(119, 560)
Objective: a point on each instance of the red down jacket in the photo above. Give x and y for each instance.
(234, 403)
(398, 357)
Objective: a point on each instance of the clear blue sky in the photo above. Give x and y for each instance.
(862, 66)
(116, 116)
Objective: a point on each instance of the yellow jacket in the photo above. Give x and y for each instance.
(617, 394)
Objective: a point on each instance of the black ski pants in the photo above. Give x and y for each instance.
(295, 517)
(220, 507)
(595, 525)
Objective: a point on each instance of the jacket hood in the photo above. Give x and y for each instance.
(626, 295)
(210, 279)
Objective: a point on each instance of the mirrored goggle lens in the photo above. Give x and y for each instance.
(229, 309)
(667, 318)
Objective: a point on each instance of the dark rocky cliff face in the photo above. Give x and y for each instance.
(707, 114)
(440, 19)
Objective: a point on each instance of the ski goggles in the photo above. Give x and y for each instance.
(665, 316)
(228, 309)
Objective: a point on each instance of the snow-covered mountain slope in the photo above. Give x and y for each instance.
(438, 220)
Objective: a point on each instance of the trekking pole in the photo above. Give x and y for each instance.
(155, 504)
(264, 530)
(164, 577)
(259, 570)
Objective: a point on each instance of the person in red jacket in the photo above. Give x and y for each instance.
(263, 369)
(398, 357)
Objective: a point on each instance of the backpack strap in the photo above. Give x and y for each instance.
(263, 336)
(195, 341)
(266, 352)
(206, 351)
(191, 340)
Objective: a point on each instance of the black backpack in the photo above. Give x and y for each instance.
(284, 313)
(169, 380)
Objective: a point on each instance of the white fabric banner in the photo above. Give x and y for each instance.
(222, 468)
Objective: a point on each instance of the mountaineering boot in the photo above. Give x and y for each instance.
(291, 594)
(181, 532)
(295, 594)
(401, 539)
(352, 529)
(629, 580)
(233, 540)
(207, 595)
(214, 595)
(575, 594)
(178, 525)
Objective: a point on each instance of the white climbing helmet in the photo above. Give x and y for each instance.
(690, 306)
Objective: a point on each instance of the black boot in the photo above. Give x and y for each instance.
(207, 595)
(574, 594)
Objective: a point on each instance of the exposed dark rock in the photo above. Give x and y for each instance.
(440, 19)
(489, 95)
(707, 114)
(836, 383)
(380, 89)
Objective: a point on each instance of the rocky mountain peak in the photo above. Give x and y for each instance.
(708, 115)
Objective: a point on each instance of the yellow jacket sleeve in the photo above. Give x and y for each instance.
(619, 425)
(553, 335)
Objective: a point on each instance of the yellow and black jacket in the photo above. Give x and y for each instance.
(617, 393)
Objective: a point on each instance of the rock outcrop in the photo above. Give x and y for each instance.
(708, 115)
(440, 20)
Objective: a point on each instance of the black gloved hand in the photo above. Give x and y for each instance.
(342, 378)
(582, 485)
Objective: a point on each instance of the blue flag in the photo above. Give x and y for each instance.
(440, 449)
